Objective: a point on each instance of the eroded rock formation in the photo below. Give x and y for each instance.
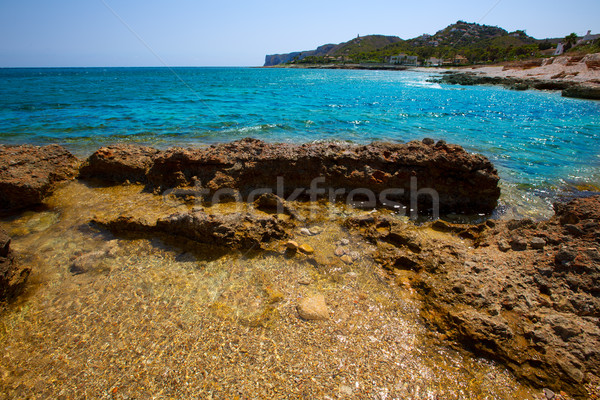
(12, 275)
(29, 173)
(119, 163)
(232, 231)
(464, 182)
(527, 294)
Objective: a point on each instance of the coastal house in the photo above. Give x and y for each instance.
(460, 60)
(404, 59)
(434, 62)
(560, 48)
(587, 38)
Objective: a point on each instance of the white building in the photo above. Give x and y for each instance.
(404, 59)
(434, 62)
(560, 48)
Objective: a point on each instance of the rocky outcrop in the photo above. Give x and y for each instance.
(591, 92)
(276, 59)
(30, 173)
(119, 163)
(372, 174)
(232, 231)
(567, 88)
(12, 276)
(526, 295)
(592, 61)
(470, 79)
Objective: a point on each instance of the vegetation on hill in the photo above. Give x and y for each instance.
(478, 43)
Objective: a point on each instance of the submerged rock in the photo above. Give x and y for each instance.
(12, 276)
(242, 231)
(270, 202)
(30, 173)
(373, 174)
(306, 249)
(536, 311)
(233, 231)
(313, 308)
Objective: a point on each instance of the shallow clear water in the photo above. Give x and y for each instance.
(542, 143)
(156, 319)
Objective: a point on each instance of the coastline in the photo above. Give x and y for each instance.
(519, 292)
(574, 76)
(367, 67)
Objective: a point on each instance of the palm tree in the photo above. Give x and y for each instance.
(570, 40)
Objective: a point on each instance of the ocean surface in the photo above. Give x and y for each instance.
(544, 146)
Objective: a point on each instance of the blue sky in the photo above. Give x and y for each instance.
(240, 33)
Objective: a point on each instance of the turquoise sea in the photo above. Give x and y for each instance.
(544, 146)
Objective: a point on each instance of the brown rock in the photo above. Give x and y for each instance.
(12, 276)
(347, 259)
(583, 91)
(518, 243)
(534, 311)
(30, 173)
(503, 245)
(291, 245)
(537, 243)
(232, 231)
(592, 61)
(306, 249)
(119, 163)
(340, 251)
(464, 182)
(313, 308)
(270, 202)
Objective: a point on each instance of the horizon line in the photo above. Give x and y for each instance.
(135, 66)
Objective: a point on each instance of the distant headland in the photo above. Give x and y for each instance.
(461, 43)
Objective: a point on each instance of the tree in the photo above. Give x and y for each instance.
(545, 45)
(570, 40)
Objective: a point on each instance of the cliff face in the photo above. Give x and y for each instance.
(276, 59)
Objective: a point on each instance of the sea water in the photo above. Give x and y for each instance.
(542, 144)
(142, 317)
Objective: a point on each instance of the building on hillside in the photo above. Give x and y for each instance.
(434, 62)
(404, 59)
(560, 48)
(587, 38)
(460, 60)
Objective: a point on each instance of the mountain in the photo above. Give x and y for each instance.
(358, 44)
(476, 42)
(471, 34)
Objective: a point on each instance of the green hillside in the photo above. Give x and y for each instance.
(478, 43)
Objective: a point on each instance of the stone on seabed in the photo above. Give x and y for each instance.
(313, 308)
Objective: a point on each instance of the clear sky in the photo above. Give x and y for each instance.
(241, 33)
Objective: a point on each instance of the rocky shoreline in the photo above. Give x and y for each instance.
(574, 76)
(521, 292)
(373, 174)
